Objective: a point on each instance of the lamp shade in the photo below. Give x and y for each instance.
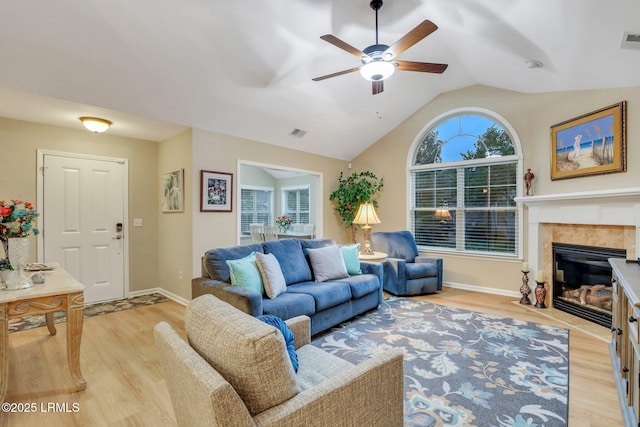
(95, 124)
(443, 214)
(377, 70)
(366, 215)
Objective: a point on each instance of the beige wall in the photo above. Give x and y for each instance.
(19, 141)
(221, 153)
(175, 231)
(531, 116)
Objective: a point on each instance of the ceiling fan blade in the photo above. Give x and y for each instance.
(339, 73)
(329, 38)
(377, 86)
(423, 29)
(425, 67)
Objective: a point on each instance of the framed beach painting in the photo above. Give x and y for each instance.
(172, 193)
(216, 190)
(592, 144)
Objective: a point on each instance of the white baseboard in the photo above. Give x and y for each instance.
(164, 292)
(483, 289)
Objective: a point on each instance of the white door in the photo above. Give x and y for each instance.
(82, 219)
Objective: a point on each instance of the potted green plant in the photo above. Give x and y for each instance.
(355, 189)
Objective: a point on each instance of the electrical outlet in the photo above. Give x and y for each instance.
(137, 222)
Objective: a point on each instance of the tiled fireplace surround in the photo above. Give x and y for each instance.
(609, 218)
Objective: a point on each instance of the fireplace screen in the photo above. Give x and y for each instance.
(582, 281)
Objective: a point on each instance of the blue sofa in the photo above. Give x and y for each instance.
(327, 303)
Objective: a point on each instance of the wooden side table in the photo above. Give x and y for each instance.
(376, 257)
(59, 292)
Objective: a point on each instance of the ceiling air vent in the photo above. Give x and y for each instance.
(298, 133)
(630, 41)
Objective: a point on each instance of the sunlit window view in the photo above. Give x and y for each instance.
(463, 182)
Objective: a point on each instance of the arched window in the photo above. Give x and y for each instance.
(463, 178)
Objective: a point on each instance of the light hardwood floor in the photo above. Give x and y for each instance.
(125, 386)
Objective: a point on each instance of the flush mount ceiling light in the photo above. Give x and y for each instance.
(95, 124)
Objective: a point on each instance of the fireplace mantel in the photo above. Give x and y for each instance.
(614, 207)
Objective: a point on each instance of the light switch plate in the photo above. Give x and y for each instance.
(137, 222)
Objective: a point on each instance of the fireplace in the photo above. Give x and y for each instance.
(582, 280)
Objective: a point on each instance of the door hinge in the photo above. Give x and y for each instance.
(42, 168)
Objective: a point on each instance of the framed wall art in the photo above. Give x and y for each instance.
(216, 191)
(172, 193)
(592, 144)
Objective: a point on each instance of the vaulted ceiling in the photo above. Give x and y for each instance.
(244, 68)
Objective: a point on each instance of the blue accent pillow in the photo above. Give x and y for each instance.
(350, 255)
(286, 333)
(245, 274)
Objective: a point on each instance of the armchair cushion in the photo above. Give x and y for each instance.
(397, 244)
(255, 362)
(419, 270)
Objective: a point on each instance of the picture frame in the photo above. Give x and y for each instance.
(216, 191)
(591, 144)
(172, 191)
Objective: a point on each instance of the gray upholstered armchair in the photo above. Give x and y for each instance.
(235, 371)
(405, 272)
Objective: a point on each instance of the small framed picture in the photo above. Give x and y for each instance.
(216, 191)
(592, 144)
(172, 196)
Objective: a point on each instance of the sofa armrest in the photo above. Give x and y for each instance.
(301, 328)
(377, 269)
(243, 299)
(368, 394)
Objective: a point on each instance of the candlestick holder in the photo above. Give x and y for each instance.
(541, 294)
(525, 290)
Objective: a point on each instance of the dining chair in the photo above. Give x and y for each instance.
(297, 227)
(270, 233)
(257, 232)
(309, 229)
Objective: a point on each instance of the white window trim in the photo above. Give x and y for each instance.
(410, 167)
(283, 201)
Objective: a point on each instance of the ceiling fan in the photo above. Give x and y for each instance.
(378, 60)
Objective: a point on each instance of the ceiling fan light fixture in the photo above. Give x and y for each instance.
(377, 70)
(95, 124)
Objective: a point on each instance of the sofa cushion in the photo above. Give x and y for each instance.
(421, 269)
(245, 274)
(289, 304)
(325, 295)
(315, 244)
(362, 285)
(291, 258)
(248, 353)
(279, 324)
(272, 278)
(215, 264)
(327, 263)
(350, 254)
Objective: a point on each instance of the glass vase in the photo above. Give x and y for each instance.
(19, 256)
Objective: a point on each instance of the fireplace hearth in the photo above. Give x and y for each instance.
(582, 281)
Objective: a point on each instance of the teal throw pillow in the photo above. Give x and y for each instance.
(286, 333)
(350, 255)
(245, 274)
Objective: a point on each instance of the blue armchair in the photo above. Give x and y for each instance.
(405, 272)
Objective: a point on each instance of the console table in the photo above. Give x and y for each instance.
(625, 343)
(60, 292)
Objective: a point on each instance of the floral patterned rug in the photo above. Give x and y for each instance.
(463, 368)
(36, 321)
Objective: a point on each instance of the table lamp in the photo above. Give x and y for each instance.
(365, 216)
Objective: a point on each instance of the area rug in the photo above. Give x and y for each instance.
(36, 321)
(463, 368)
